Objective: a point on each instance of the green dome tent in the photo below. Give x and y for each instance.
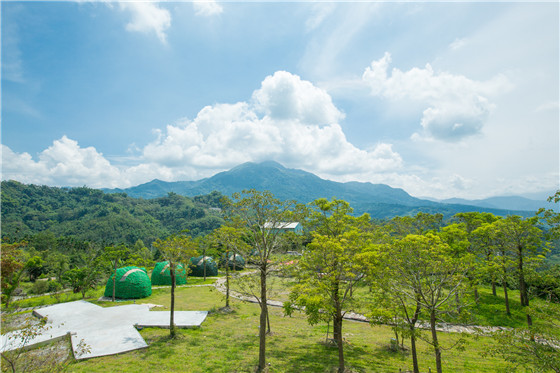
(132, 283)
(162, 276)
(197, 266)
(236, 261)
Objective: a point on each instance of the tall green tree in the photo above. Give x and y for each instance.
(526, 245)
(262, 215)
(500, 263)
(330, 267)
(423, 273)
(176, 249)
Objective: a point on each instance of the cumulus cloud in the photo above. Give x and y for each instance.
(287, 119)
(207, 8)
(148, 17)
(64, 163)
(284, 96)
(457, 106)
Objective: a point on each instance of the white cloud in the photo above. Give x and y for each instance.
(207, 8)
(457, 106)
(64, 163)
(285, 96)
(148, 17)
(288, 120)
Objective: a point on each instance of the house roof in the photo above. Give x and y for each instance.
(281, 225)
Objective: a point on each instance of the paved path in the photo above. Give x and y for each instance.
(104, 330)
(450, 328)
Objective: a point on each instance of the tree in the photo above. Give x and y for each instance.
(500, 262)
(34, 267)
(329, 269)
(175, 249)
(477, 245)
(526, 246)
(534, 347)
(401, 226)
(82, 279)
(13, 267)
(229, 239)
(262, 215)
(114, 255)
(422, 273)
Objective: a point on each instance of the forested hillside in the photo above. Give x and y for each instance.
(89, 214)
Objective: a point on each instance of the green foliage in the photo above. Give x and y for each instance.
(13, 266)
(44, 213)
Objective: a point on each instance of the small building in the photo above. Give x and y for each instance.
(295, 227)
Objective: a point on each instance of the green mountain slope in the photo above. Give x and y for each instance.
(90, 214)
(379, 200)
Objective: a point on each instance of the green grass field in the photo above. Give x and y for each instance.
(228, 342)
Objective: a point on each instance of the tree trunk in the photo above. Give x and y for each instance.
(338, 338)
(227, 279)
(337, 327)
(504, 283)
(204, 262)
(171, 314)
(437, 350)
(267, 321)
(115, 281)
(476, 296)
(522, 285)
(494, 287)
(412, 327)
(12, 365)
(262, 326)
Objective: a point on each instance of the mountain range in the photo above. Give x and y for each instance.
(379, 200)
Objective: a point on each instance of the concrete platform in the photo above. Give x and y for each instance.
(105, 331)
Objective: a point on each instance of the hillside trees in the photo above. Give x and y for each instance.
(39, 214)
(257, 211)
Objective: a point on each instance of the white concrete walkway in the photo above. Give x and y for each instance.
(105, 331)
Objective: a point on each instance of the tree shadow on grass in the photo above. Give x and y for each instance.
(320, 357)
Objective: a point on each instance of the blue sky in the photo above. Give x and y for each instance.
(441, 99)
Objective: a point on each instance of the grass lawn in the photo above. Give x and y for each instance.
(228, 342)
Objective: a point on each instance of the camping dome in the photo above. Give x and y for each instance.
(235, 261)
(162, 276)
(132, 283)
(197, 266)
